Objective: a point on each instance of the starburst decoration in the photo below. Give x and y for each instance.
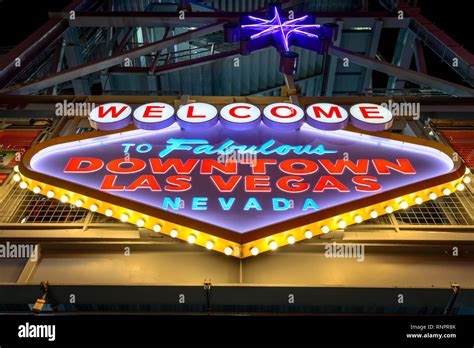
(282, 31)
(256, 32)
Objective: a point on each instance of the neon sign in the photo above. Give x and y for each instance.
(204, 175)
(282, 32)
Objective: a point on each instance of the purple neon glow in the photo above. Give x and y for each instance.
(428, 162)
(282, 30)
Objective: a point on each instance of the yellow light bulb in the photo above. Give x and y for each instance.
(273, 245)
(403, 204)
(460, 187)
(254, 251)
(64, 198)
(191, 239)
(174, 233)
(16, 178)
(78, 203)
(157, 228)
(23, 185)
(109, 212)
(93, 208)
(16, 169)
(418, 200)
(124, 217)
(433, 196)
(36, 189)
(374, 214)
(291, 240)
(446, 192)
(228, 251)
(140, 223)
(358, 219)
(466, 179)
(308, 234)
(389, 209)
(50, 194)
(325, 229)
(341, 224)
(209, 245)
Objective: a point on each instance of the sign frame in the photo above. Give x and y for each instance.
(231, 242)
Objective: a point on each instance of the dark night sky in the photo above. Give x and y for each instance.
(20, 18)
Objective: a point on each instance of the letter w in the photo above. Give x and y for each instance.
(112, 109)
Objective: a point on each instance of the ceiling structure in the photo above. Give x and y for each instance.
(145, 47)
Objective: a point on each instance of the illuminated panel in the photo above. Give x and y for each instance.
(198, 185)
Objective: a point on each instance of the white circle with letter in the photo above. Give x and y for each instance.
(153, 116)
(240, 116)
(110, 116)
(327, 116)
(283, 116)
(197, 116)
(371, 117)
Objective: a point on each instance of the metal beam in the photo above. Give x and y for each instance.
(331, 76)
(146, 19)
(406, 74)
(56, 63)
(37, 42)
(402, 56)
(196, 19)
(441, 44)
(116, 59)
(125, 40)
(157, 54)
(74, 57)
(177, 66)
(376, 33)
(420, 58)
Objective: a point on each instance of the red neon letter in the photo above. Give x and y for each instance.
(133, 165)
(153, 111)
(260, 165)
(402, 166)
(108, 184)
(158, 167)
(145, 181)
(309, 167)
(333, 109)
(292, 184)
(367, 110)
(360, 167)
(75, 165)
(226, 186)
(178, 183)
(366, 183)
(112, 109)
(273, 111)
(330, 183)
(255, 183)
(234, 114)
(208, 166)
(190, 112)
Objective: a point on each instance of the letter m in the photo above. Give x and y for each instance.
(319, 112)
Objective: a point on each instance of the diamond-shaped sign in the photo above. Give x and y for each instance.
(273, 188)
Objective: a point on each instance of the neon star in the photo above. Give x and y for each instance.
(282, 31)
